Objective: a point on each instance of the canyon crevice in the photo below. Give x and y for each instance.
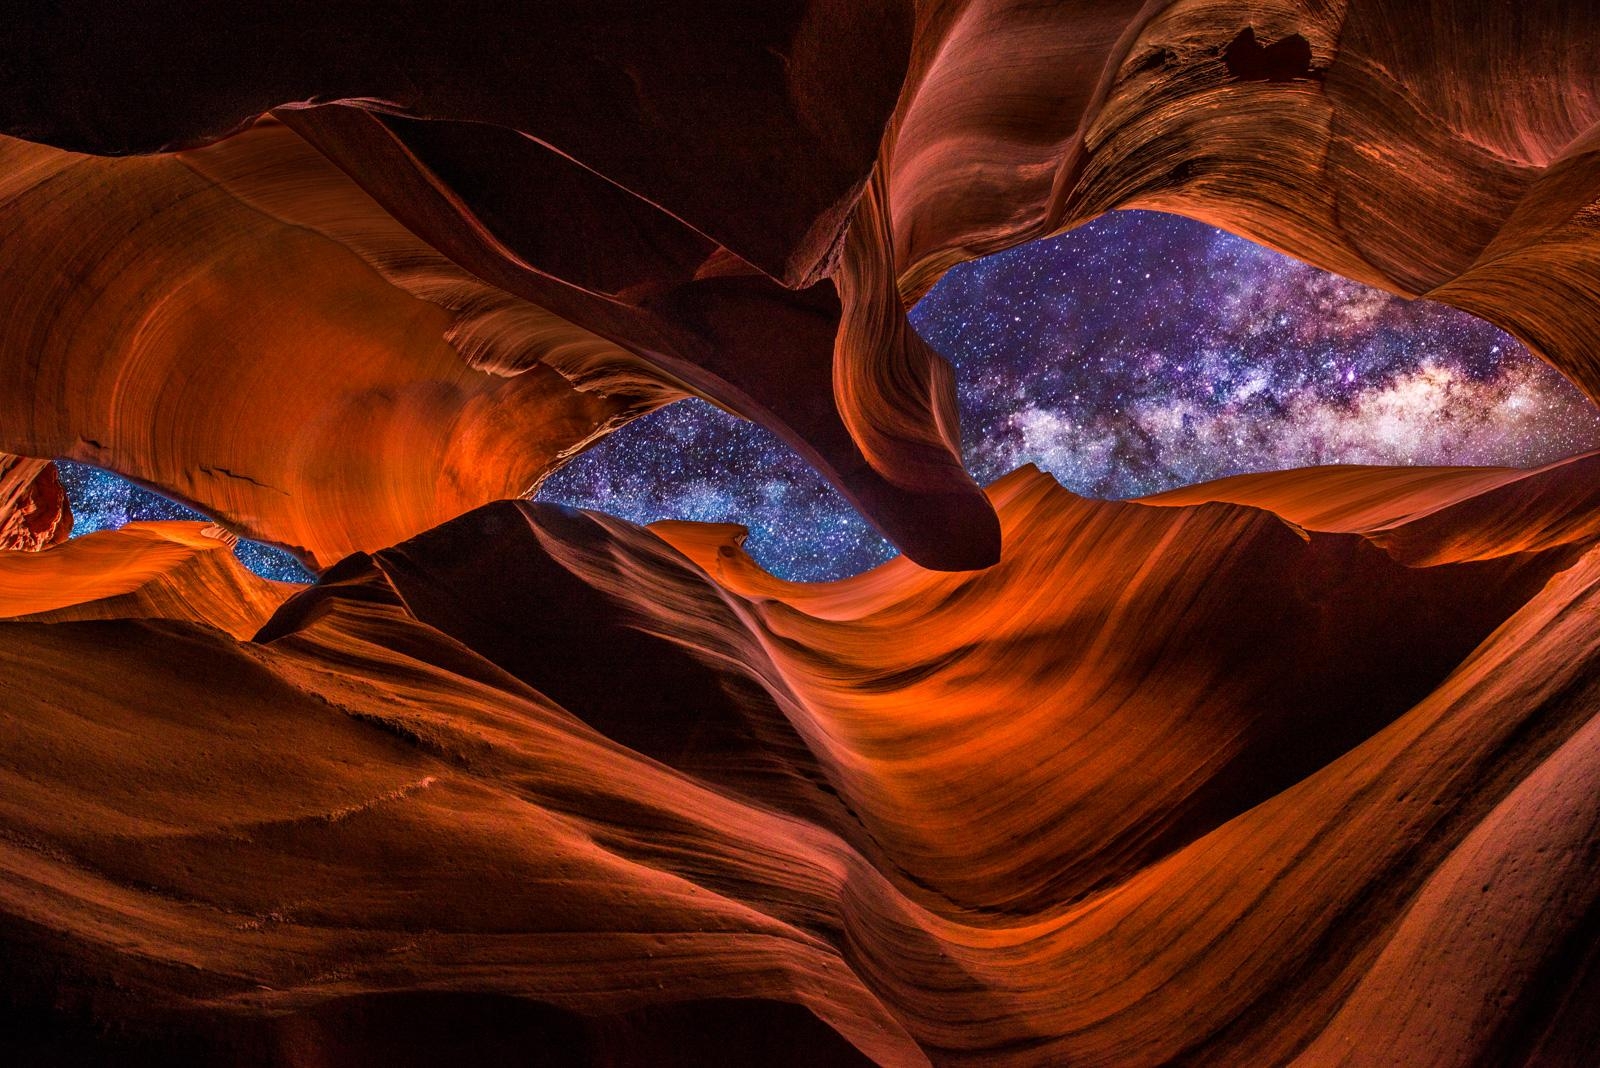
(1297, 767)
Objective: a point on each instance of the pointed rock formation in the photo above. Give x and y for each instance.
(165, 570)
(34, 511)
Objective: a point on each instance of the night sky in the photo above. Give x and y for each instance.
(1137, 353)
(102, 501)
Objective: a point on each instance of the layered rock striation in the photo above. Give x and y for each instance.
(1293, 768)
(154, 570)
(641, 203)
(1177, 781)
(34, 510)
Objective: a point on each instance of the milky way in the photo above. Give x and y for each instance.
(102, 501)
(1137, 353)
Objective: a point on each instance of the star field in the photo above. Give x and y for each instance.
(1140, 352)
(102, 501)
(1146, 351)
(1137, 353)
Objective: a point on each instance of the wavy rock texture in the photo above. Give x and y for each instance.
(1292, 768)
(247, 332)
(1241, 792)
(1427, 515)
(34, 511)
(165, 570)
(740, 202)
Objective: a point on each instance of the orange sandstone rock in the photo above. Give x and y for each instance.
(34, 511)
(1239, 791)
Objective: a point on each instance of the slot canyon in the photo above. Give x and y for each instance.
(801, 532)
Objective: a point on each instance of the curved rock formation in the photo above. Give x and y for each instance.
(34, 511)
(247, 332)
(1426, 515)
(740, 203)
(165, 570)
(1296, 768)
(1242, 793)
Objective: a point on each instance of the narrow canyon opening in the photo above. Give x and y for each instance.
(1133, 355)
(101, 500)
(1234, 697)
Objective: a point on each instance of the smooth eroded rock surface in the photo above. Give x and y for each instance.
(710, 199)
(1241, 791)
